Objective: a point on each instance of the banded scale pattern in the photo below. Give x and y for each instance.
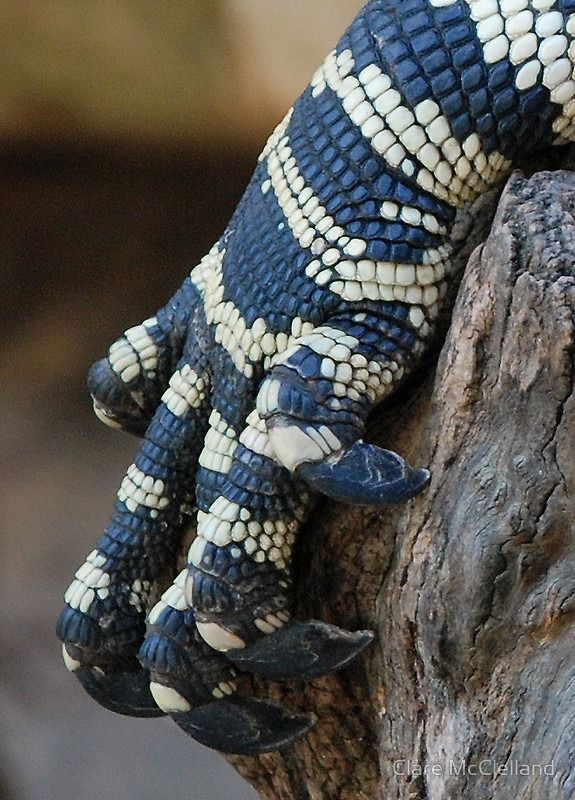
(252, 386)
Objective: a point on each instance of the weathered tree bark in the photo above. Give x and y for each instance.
(470, 587)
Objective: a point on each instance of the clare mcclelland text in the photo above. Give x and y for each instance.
(484, 767)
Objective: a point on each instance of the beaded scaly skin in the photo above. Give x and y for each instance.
(252, 386)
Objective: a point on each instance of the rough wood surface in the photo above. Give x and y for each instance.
(471, 587)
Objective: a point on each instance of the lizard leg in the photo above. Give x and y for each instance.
(103, 623)
(195, 685)
(128, 384)
(311, 409)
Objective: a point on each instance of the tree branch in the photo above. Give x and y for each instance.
(470, 587)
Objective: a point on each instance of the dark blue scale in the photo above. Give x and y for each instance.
(235, 397)
(174, 649)
(258, 594)
(155, 457)
(123, 533)
(232, 585)
(358, 39)
(263, 246)
(221, 562)
(76, 627)
(308, 400)
(506, 119)
(164, 432)
(249, 491)
(473, 95)
(210, 594)
(209, 485)
(129, 534)
(118, 541)
(310, 135)
(246, 482)
(117, 641)
(233, 394)
(419, 42)
(306, 363)
(400, 190)
(178, 311)
(237, 569)
(345, 200)
(383, 331)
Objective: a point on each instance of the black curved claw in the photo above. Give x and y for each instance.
(122, 692)
(301, 650)
(365, 475)
(244, 726)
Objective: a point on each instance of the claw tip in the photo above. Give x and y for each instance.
(244, 727)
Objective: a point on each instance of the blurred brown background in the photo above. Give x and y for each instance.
(127, 133)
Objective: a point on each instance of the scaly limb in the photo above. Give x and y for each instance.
(128, 384)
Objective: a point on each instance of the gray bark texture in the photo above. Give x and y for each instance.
(470, 587)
